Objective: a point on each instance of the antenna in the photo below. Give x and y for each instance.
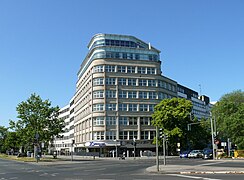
(200, 88)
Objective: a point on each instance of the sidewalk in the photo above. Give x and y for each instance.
(197, 169)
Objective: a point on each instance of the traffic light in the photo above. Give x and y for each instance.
(161, 133)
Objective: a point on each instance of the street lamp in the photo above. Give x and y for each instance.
(211, 121)
(116, 146)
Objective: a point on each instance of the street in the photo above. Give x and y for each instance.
(102, 169)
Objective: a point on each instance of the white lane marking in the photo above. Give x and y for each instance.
(44, 174)
(54, 174)
(206, 164)
(192, 177)
(13, 178)
(95, 169)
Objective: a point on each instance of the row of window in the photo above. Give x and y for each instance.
(124, 69)
(124, 135)
(131, 94)
(124, 107)
(125, 55)
(120, 43)
(123, 120)
(134, 82)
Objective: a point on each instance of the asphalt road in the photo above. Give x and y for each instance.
(106, 170)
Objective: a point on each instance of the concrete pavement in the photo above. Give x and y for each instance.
(197, 169)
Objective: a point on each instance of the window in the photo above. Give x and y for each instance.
(144, 120)
(150, 70)
(98, 107)
(152, 134)
(110, 81)
(152, 95)
(98, 69)
(142, 82)
(132, 134)
(143, 107)
(109, 68)
(121, 69)
(151, 82)
(132, 94)
(122, 94)
(122, 107)
(98, 121)
(132, 120)
(110, 94)
(98, 94)
(98, 81)
(151, 107)
(122, 81)
(142, 95)
(111, 107)
(132, 107)
(123, 135)
(131, 82)
(131, 69)
(144, 135)
(123, 120)
(110, 135)
(141, 70)
(98, 135)
(111, 120)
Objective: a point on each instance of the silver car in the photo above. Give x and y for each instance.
(195, 154)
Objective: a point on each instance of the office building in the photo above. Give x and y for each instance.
(119, 83)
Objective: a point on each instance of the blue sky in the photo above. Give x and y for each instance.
(43, 43)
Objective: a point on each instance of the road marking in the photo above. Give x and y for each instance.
(192, 177)
(109, 174)
(206, 164)
(13, 178)
(95, 169)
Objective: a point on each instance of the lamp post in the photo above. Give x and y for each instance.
(211, 121)
(157, 158)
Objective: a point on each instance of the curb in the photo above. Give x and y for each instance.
(214, 172)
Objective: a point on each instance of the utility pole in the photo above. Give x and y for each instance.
(157, 158)
(164, 149)
(212, 129)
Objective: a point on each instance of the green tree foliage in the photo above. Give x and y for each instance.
(3, 135)
(38, 121)
(12, 141)
(173, 115)
(199, 135)
(229, 114)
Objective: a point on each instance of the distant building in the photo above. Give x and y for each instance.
(63, 143)
(201, 104)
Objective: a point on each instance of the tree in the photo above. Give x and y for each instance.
(229, 114)
(173, 115)
(38, 121)
(3, 135)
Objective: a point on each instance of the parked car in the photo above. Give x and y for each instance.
(207, 154)
(195, 154)
(184, 154)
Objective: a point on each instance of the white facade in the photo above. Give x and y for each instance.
(63, 143)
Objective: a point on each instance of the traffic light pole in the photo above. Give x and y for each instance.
(164, 149)
(211, 121)
(157, 158)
